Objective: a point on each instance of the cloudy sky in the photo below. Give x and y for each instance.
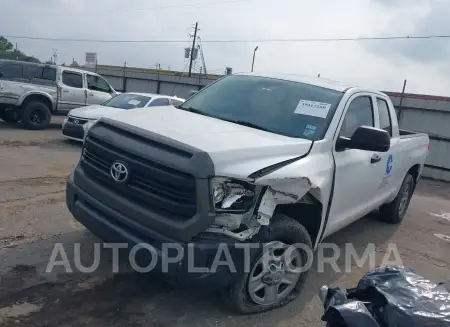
(380, 64)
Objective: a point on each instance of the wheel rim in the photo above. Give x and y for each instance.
(404, 199)
(275, 274)
(37, 116)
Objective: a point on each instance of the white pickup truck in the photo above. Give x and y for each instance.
(250, 159)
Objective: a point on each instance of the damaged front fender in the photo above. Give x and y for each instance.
(290, 185)
(292, 192)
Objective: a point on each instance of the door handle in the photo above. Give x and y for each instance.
(375, 158)
(66, 91)
(91, 94)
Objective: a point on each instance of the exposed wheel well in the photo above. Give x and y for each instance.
(39, 98)
(414, 171)
(307, 214)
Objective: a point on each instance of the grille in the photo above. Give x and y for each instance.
(77, 121)
(159, 188)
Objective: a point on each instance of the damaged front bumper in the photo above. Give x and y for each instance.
(193, 270)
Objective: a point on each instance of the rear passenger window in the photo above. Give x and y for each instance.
(72, 79)
(45, 73)
(49, 74)
(385, 117)
(28, 71)
(159, 102)
(359, 113)
(11, 71)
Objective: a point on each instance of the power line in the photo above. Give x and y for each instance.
(375, 38)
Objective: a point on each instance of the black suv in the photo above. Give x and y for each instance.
(16, 70)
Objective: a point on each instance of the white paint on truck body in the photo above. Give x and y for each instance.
(347, 183)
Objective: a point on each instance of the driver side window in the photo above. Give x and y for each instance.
(359, 113)
(96, 83)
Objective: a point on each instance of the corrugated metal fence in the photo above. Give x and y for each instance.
(431, 115)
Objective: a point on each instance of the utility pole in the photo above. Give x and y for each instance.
(253, 61)
(192, 49)
(55, 55)
(200, 48)
(401, 102)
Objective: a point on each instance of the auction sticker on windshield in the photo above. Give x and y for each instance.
(134, 102)
(312, 108)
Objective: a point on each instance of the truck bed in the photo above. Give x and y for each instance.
(407, 134)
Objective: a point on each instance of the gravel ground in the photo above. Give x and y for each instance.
(33, 169)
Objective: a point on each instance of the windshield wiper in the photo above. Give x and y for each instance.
(248, 124)
(194, 110)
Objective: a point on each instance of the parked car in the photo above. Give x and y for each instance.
(17, 70)
(49, 88)
(81, 119)
(272, 160)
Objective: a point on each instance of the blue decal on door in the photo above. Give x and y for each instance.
(389, 165)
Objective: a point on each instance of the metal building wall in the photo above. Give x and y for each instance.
(431, 115)
(141, 85)
(116, 82)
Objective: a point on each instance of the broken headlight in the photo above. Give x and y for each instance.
(231, 195)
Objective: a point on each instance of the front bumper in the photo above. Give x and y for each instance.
(73, 131)
(113, 227)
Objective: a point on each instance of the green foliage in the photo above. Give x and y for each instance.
(7, 51)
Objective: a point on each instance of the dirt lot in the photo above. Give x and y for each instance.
(33, 169)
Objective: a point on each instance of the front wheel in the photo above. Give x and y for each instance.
(35, 115)
(395, 211)
(278, 271)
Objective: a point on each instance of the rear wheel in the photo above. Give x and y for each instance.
(278, 271)
(395, 211)
(35, 115)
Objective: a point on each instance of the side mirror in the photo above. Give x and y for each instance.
(366, 138)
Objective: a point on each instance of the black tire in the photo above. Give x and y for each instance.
(395, 211)
(9, 116)
(288, 231)
(35, 115)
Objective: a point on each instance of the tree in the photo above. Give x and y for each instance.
(7, 51)
(5, 45)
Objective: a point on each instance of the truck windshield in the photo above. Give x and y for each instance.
(279, 106)
(127, 101)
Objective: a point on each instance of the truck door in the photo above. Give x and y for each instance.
(98, 90)
(356, 175)
(391, 171)
(72, 94)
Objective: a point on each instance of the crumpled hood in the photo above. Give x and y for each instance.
(94, 112)
(236, 150)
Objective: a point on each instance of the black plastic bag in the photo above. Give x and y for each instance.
(388, 297)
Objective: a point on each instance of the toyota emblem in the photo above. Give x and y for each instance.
(76, 121)
(119, 172)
